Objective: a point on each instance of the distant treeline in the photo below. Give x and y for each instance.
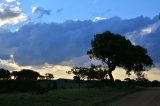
(138, 82)
(23, 74)
(31, 81)
(25, 80)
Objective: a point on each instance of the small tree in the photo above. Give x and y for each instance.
(80, 72)
(27, 74)
(93, 72)
(41, 77)
(77, 79)
(100, 72)
(115, 50)
(96, 72)
(14, 74)
(4, 74)
(49, 76)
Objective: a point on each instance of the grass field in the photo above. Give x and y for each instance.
(65, 97)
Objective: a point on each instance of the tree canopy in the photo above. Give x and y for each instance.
(27, 74)
(4, 74)
(115, 50)
(49, 76)
(91, 73)
(79, 72)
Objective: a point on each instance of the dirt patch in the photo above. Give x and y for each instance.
(148, 97)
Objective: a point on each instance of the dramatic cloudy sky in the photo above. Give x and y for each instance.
(54, 35)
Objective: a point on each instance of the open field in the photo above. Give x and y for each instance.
(65, 97)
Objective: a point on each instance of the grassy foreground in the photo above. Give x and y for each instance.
(65, 97)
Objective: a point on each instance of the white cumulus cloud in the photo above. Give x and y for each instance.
(40, 11)
(11, 13)
(99, 19)
(9, 1)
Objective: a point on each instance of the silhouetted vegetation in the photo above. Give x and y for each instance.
(92, 73)
(27, 74)
(14, 74)
(49, 76)
(4, 74)
(112, 50)
(25, 80)
(115, 50)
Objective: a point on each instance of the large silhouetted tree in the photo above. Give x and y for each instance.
(115, 50)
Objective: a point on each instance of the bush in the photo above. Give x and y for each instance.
(155, 83)
(8, 86)
(95, 84)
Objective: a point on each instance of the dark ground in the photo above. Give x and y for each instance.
(148, 97)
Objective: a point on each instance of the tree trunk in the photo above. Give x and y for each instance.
(111, 78)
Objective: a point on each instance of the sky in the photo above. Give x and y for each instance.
(54, 35)
(62, 10)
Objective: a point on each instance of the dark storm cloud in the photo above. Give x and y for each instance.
(35, 44)
(148, 37)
